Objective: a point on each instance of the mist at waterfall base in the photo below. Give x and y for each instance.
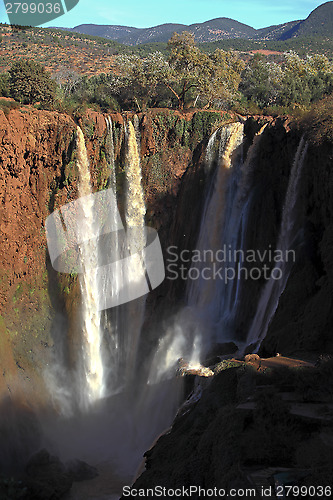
(114, 417)
(108, 413)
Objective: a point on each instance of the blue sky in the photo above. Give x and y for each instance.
(146, 13)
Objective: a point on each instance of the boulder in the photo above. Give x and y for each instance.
(47, 477)
(81, 471)
(252, 359)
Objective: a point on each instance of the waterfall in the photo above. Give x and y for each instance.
(207, 299)
(213, 305)
(135, 275)
(274, 288)
(89, 286)
(113, 267)
(112, 275)
(135, 205)
(126, 278)
(137, 405)
(195, 327)
(210, 152)
(232, 240)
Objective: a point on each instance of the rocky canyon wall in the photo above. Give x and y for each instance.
(38, 174)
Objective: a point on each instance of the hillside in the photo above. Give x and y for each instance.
(129, 35)
(209, 31)
(93, 53)
(57, 49)
(318, 23)
(301, 45)
(276, 32)
(221, 29)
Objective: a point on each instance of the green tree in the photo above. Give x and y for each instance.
(219, 79)
(4, 85)
(305, 80)
(262, 81)
(188, 65)
(188, 75)
(212, 78)
(295, 81)
(139, 77)
(30, 83)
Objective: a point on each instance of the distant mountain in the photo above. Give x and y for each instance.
(278, 32)
(221, 28)
(318, 23)
(209, 31)
(129, 35)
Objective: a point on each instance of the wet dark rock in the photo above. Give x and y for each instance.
(81, 471)
(47, 477)
(240, 425)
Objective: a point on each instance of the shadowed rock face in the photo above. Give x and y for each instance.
(304, 318)
(249, 424)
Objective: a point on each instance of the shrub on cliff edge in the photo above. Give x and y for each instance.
(30, 83)
(317, 123)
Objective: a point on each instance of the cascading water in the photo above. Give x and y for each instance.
(123, 416)
(91, 320)
(287, 242)
(111, 273)
(83, 386)
(206, 297)
(196, 326)
(232, 240)
(127, 275)
(134, 409)
(135, 211)
(213, 304)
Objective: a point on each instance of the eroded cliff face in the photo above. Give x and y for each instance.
(35, 147)
(38, 174)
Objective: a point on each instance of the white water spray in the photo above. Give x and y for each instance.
(91, 320)
(195, 325)
(206, 299)
(135, 275)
